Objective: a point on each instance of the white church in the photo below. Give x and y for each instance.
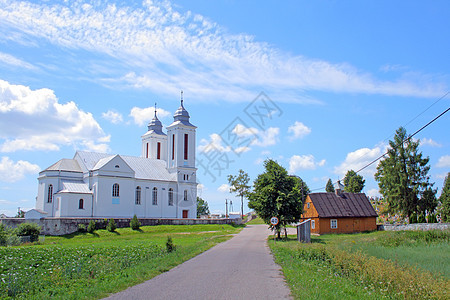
(161, 183)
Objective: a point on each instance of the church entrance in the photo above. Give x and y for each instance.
(185, 213)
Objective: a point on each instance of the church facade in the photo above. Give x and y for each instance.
(161, 183)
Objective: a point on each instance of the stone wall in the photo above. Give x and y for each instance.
(418, 226)
(62, 226)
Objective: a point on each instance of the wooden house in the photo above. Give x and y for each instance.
(339, 213)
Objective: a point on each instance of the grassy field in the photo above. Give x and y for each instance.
(398, 265)
(91, 266)
(256, 221)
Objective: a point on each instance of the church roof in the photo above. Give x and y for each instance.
(70, 165)
(155, 126)
(78, 187)
(181, 116)
(144, 168)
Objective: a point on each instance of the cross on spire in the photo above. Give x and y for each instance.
(155, 109)
(181, 97)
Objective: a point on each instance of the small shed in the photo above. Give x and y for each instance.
(339, 213)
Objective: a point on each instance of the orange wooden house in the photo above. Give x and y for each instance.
(339, 213)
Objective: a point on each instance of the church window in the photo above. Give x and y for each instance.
(185, 198)
(115, 190)
(170, 197)
(187, 177)
(155, 196)
(158, 151)
(50, 193)
(81, 204)
(173, 146)
(146, 155)
(186, 146)
(138, 195)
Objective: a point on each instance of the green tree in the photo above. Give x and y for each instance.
(29, 229)
(276, 194)
(428, 201)
(329, 188)
(239, 185)
(91, 226)
(444, 199)
(353, 182)
(402, 174)
(202, 207)
(134, 223)
(20, 214)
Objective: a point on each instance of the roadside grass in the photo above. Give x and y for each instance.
(371, 265)
(92, 266)
(256, 221)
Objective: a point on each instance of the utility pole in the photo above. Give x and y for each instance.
(226, 208)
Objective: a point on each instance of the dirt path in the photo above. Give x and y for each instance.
(240, 268)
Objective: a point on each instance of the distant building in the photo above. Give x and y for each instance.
(339, 212)
(3, 216)
(234, 215)
(159, 184)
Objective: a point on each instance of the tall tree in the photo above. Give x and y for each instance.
(276, 194)
(329, 188)
(353, 182)
(402, 175)
(239, 185)
(202, 207)
(445, 200)
(428, 201)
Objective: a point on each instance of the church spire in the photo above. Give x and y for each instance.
(155, 124)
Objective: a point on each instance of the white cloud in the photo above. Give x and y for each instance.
(162, 49)
(358, 159)
(214, 144)
(444, 162)
(268, 137)
(299, 130)
(373, 193)
(11, 171)
(49, 124)
(113, 116)
(243, 132)
(15, 62)
(142, 116)
(224, 188)
(304, 162)
(430, 142)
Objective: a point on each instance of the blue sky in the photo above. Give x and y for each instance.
(337, 79)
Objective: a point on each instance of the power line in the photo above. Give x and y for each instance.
(423, 127)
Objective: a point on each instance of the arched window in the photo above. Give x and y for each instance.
(81, 204)
(170, 197)
(185, 196)
(155, 196)
(138, 195)
(50, 193)
(115, 190)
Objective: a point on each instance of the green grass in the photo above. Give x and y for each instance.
(256, 221)
(380, 264)
(91, 266)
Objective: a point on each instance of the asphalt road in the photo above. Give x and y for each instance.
(240, 268)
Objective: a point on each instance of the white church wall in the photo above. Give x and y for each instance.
(107, 205)
(69, 205)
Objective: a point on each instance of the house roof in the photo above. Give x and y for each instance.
(77, 187)
(330, 205)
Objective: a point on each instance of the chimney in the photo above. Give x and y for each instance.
(339, 188)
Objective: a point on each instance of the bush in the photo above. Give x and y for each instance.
(81, 228)
(134, 223)
(91, 226)
(432, 218)
(29, 229)
(3, 235)
(413, 218)
(421, 219)
(170, 247)
(111, 227)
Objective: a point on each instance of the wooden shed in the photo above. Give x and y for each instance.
(339, 213)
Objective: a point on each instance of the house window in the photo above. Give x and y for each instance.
(308, 204)
(185, 198)
(170, 197)
(81, 204)
(333, 223)
(50, 193)
(155, 196)
(186, 146)
(158, 151)
(115, 190)
(313, 224)
(138, 196)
